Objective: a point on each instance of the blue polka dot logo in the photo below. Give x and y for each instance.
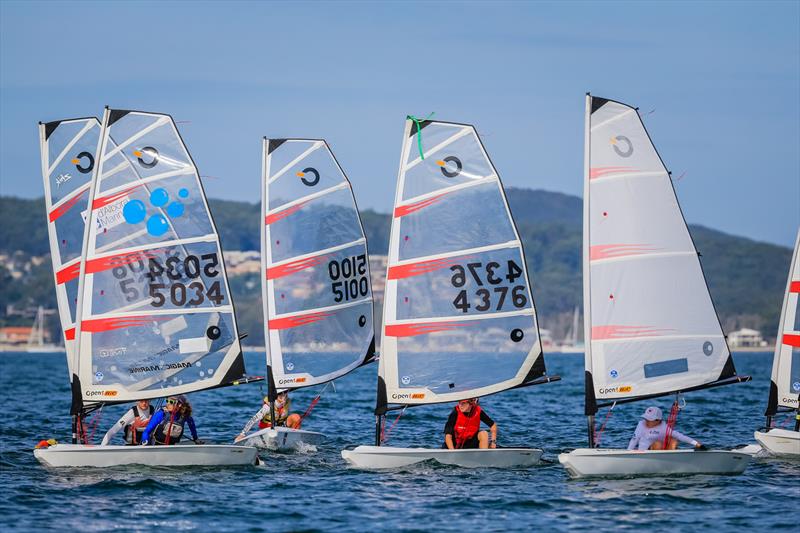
(622, 146)
(135, 212)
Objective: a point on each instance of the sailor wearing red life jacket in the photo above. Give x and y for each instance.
(463, 428)
(132, 422)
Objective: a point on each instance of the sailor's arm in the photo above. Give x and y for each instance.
(683, 438)
(637, 435)
(253, 421)
(126, 419)
(486, 419)
(449, 430)
(154, 421)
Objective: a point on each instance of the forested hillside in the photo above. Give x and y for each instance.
(746, 278)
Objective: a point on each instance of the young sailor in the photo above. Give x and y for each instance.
(463, 427)
(132, 422)
(282, 412)
(652, 431)
(166, 426)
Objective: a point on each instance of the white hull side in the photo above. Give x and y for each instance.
(282, 439)
(66, 455)
(377, 457)
(782, 442)
(591, 462)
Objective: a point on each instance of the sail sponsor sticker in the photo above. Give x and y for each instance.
(617, 389)
(408, 396)
(105, 393)
(109, 216)
(290, 381)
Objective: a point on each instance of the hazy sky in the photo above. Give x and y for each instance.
(722, 77)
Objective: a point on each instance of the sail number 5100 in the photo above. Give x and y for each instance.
(349, 278)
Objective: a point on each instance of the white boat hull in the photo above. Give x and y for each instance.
(79, 455)
(282, 439)
(781, 442)
(378, 457)
(598, 462)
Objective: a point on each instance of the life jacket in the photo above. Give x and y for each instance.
(134, 430)
(467, 425)
(170, 429)
(282, 414)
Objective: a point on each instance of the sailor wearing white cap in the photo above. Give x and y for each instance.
(651, 432)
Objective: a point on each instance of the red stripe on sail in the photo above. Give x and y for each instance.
(56, 213)
(791, 340)
(626, 332)
(404, 210)
(68, 273)
(794, 286)
(70, 334)
(93, 266)
(98, 325)
(609, 251)
(423, 267)
(274, 217)
(110, 199)
(294, 321)
(295, 266)
(601, 172)
(423, 328)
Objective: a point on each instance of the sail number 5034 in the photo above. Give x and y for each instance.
(349, 278)
(491, 274)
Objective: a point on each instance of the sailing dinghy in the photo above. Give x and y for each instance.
(459, 320)
(315, 288)
(650, 326)
(784, 390)
(67, 150)
(154, 316)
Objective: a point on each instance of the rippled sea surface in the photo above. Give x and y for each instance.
(316, 491)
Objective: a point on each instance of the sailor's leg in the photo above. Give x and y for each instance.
(657, 445)
(483, 439)
(673, 444)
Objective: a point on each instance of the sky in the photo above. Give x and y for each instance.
(718, 84)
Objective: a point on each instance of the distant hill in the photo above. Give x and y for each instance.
(746, 278)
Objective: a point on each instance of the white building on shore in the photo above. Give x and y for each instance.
(746, 338)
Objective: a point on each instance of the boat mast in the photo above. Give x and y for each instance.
(590, 407)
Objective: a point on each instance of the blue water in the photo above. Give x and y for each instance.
(315, 492)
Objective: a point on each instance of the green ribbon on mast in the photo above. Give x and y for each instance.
(418, 122)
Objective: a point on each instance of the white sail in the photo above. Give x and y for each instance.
(155, 316)
(459, 319)
(785, 381)
(68, 158)
(316, 284)
(650, 325)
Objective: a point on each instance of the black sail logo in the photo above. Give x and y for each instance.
(450, 166)
(79, 164)
(305, 172)
(622, 146)
(150, 153)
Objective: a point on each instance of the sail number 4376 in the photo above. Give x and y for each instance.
(489, 276)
